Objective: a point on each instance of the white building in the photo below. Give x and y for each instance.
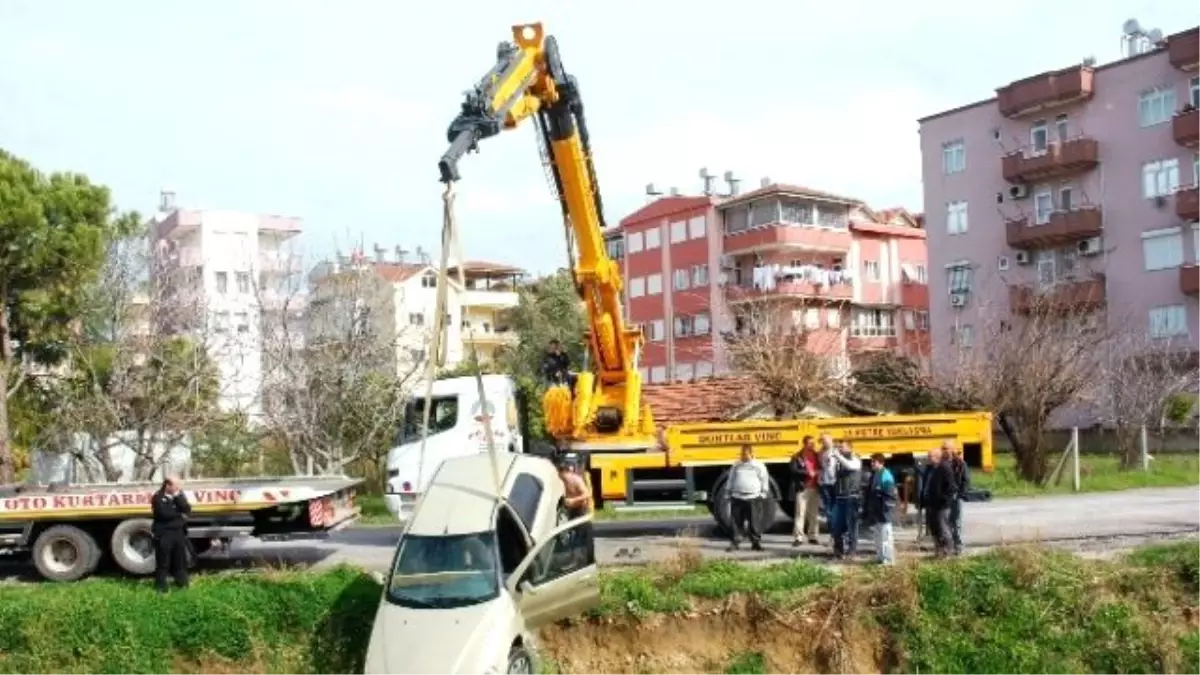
(401, 295)
(223, 276)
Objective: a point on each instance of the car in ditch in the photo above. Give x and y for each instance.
(487, 558)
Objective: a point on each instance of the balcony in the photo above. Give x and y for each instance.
(1058, 160)
(1189, 280)
(281, 263)
(800, 290)
(1183, 49)
(1187, 204)
(498, 336)
(1047, 90)
(1063, 227)
(914, 295)
(789, 237)
(494, 299)
(1185, 127)
(1064, 297)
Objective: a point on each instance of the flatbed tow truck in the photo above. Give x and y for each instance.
(69, 529)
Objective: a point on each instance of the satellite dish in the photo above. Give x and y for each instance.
(1155, 36)
(1131, 27)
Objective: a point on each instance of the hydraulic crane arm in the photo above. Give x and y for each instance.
(528, 80)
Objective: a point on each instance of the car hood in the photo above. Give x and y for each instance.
(460, 640)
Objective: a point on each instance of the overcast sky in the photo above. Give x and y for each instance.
(336, 111)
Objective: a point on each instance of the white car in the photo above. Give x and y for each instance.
(477, 570)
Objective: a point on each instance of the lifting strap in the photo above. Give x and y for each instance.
(439, 343)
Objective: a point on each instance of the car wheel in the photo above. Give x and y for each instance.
(520, 660)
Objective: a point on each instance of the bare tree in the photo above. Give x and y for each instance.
(788, 353)
(1140, 377)
(337, 373)
(140, 378)
(1039, 355)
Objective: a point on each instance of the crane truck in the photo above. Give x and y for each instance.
(604, 419)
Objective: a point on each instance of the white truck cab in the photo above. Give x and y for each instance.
(456, 429)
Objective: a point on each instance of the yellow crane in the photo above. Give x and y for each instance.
(528, 81)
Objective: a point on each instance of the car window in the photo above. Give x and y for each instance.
(525, 497)
(443, 416)
(570, 551)
(445, 571)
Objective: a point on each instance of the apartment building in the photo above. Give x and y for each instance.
(399, 295)
(1072, 187)
(700, 268)
(223, 276)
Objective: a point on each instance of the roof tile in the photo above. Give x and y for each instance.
(712, 399)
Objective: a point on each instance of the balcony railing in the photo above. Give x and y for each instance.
(1185, 127)
(1063, 227)
(1187, 204)
(1057, 160)
(1189, 280)
(1047, 90)
(498, 299)
(1065, 297)
(782, 237)
(1183, 49)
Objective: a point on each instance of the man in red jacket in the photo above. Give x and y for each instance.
(807, 497)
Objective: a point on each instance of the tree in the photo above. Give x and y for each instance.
(53, 231)
(1141, 379)
(896, 381)
(130, 383)
(790, 364)
(1026, 366)
(337, 374)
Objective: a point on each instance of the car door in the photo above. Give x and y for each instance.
(559, 579)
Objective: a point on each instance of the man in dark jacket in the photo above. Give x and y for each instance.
(962, 483)
(846, 502)
(170, 509)
(879, 509)
(556, 365)
(937, 495)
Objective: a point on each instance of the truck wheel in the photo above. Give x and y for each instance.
(65, 553)
(132, 546)
(719, 506)
(520, 660)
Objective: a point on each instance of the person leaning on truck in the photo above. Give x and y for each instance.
(805, 468)
(170, 509)
(962, 483)
(749, 489)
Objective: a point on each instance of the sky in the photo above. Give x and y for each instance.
(336, 112)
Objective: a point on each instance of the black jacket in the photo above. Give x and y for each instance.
(556, 366)
(940, 487)
(962, 476)
(880, 497)
(170, 513)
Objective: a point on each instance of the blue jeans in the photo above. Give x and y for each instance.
(956, 525)
(844, 526)
(827, 493)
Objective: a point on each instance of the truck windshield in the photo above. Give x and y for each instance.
(443, 416)
(441, 572)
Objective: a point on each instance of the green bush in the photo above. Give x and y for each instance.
(277, 622)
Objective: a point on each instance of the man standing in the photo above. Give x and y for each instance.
(880, 509)
(556, 365)
(749, 487)
(577, 498)
(170, 509)
(827, 460)
(847, 501)
(805, 494)
(962, 483)
(937, 494)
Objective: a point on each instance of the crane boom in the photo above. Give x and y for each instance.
(528, 80)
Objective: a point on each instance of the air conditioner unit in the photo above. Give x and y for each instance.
(1090, 246)
(958, 299)
(1023, 257)
(1018, 191)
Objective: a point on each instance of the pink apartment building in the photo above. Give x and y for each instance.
(697, 268)
(1078, 184)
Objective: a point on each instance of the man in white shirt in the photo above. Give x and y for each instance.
(749, 488)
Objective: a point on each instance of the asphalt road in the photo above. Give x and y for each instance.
(1093, 522)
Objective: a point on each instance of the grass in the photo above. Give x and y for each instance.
(1098, 473)
(1015, 610)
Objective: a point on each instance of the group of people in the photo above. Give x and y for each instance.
(833, 479)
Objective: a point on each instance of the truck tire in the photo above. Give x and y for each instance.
(132, 546)
(65, 553)
(719, 506)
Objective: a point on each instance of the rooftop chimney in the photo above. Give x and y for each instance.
(674, 192)
(380, 254)
(166, 200)
(765, 182)
(401, 254)
(708, 181)
(733, 182)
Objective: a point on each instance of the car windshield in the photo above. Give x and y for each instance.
(443, 415)
(440, 572)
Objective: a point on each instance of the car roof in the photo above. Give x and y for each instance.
(462, 497)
